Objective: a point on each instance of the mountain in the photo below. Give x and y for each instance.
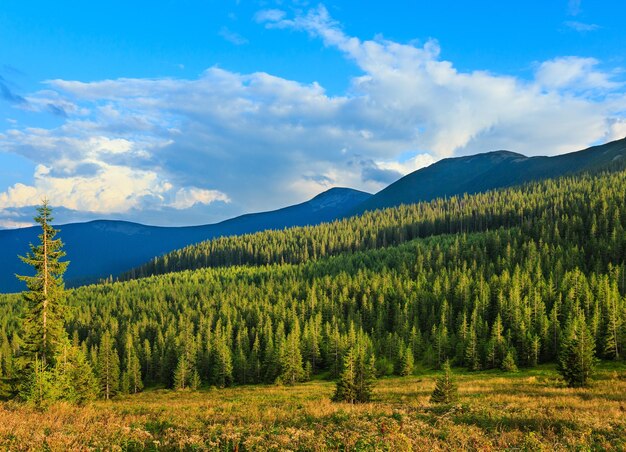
(101, 248)
(481, 172)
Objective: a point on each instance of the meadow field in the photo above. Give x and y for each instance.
(529, 410)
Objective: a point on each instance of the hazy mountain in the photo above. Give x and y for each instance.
(476, 173)
(101, 248)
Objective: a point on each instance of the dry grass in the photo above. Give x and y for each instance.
(526, 411)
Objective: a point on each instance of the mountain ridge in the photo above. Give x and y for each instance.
(129, 244)
(495, 169)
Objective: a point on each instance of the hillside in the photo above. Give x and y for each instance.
(473, 298)
(481, 172)
(507, 207)
(129, 244)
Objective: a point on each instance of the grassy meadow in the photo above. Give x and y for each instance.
(529, 410)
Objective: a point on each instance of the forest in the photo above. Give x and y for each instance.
(497, 280)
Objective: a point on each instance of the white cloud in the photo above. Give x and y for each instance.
(261, 141)
(188, 197)
(574, 73)
(407, 166)
(581, 26)
(12, 224)
(272, 15)
(112, 189)
(617, 129)
(232, 37)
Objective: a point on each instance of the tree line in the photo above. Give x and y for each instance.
(530, 207)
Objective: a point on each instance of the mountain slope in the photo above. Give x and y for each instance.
(101, 248)
(481, 172)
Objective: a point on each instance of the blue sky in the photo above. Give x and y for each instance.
(189, 112)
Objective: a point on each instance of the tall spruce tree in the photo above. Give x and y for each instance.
(108, 367)
(43, 320)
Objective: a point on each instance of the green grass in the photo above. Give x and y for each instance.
(529, 410)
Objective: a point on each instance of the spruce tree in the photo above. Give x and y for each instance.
(345, 391)
(407, 362)
(74, 376)
(445, 389)
(577, 357)
(356, 380)
(39, 389)
(43, 320)
(291, 370)
(108, 367)
(508, 363)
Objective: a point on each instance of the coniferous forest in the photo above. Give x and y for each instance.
(516, 291)
(506, 278)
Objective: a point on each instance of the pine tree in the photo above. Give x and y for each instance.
(407, 362)
(131, 377)
(577, 358)
(222, 363)
(108, 367)
(186, 366)
(43, 321)
(74, 377)
(291, 358)
(508, 363)
(356, 380)
(345, 390)
(612, 346)
(39, 388)
(445, 389)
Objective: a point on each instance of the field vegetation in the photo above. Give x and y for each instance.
(529, 410)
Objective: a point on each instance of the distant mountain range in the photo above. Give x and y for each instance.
(482, 172)
(101, 248)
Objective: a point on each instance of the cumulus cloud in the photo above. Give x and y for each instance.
(188, 197)
(574, 73)
(258, 141)
(111, 189)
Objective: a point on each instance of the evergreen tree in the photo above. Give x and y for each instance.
(508, 363)
(186, 369)
(291, 358)
(356, 380)
(38, 388)
(445, 389)
(74, 377)
(612, 337)
(222, 363)
(407, 362)
(43, 320)
(108, 367)
(577, 358)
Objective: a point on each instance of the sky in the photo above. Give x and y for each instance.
(194, 111)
